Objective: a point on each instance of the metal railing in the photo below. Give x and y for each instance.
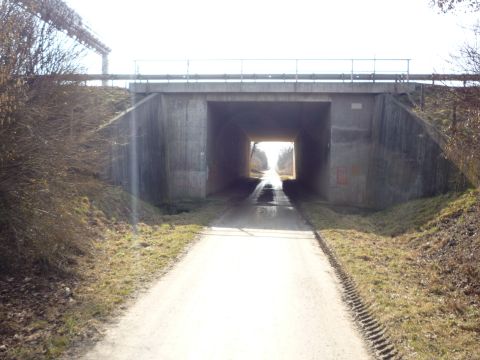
(274, 70)
(464, 79)
(278, 69)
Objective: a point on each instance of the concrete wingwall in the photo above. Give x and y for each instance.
(159, 151)
(139, 156)
(406, 160)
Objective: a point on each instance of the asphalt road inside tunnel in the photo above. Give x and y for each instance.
(255, 286)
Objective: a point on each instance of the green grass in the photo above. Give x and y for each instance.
(427, 317)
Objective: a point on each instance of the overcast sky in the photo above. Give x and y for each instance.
(179, 29)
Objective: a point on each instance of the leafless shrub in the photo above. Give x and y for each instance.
(36, 223)
(451, 5)
(464, 128)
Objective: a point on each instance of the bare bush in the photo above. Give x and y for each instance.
(451, 5)
(35, 222)
(28, 47)
(464, 129)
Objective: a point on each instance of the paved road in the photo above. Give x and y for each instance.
(256, 286)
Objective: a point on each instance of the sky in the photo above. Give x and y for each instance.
(221, 29)
(272, 149)
(272, 29)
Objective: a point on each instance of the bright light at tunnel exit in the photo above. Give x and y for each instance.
(273, 150)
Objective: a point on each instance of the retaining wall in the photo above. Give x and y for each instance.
(407, 160)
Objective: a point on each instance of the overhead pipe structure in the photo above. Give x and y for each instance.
(59, 15)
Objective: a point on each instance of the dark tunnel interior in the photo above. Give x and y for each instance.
(233, 125)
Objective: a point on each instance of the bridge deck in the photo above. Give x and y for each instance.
(272, 87)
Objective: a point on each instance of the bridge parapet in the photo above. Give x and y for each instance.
(273, 87)
(350, 69)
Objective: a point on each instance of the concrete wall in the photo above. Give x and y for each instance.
(228, 150)
(186, 147)
(351, 124)
(264, 89)
(186, 119)
(139, 155)
(351, 148)
(312, 151)
(159, 148)
(406, 160)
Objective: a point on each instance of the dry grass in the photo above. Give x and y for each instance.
(386, 253)
(69, 255)
(49, 149)
(118, 261)
(126, 260)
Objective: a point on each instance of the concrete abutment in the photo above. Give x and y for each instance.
(353, 147)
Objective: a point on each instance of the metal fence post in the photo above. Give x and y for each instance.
(135, 70)
(351, 73)
(241, 70)
(408, 70)
(296, 70)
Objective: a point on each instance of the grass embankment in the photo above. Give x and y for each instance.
(417, 264)
(41, 315)
(69, 255)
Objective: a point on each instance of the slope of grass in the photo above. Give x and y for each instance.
(70, 256)
(117, 260)
(40, 179)
(421, 285)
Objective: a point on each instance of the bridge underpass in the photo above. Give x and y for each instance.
(355, 144)
(232, 126)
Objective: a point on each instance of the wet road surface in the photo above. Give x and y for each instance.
(255, 286)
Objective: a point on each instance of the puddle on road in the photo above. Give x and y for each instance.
(266, 196)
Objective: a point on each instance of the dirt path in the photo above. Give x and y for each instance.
(256, 286)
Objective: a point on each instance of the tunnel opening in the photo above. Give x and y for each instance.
(234, 125)
(278, 156)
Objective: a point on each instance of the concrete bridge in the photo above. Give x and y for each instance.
(354, 142)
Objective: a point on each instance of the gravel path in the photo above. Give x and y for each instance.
(255, 286)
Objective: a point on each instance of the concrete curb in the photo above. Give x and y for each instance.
(375, 334)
